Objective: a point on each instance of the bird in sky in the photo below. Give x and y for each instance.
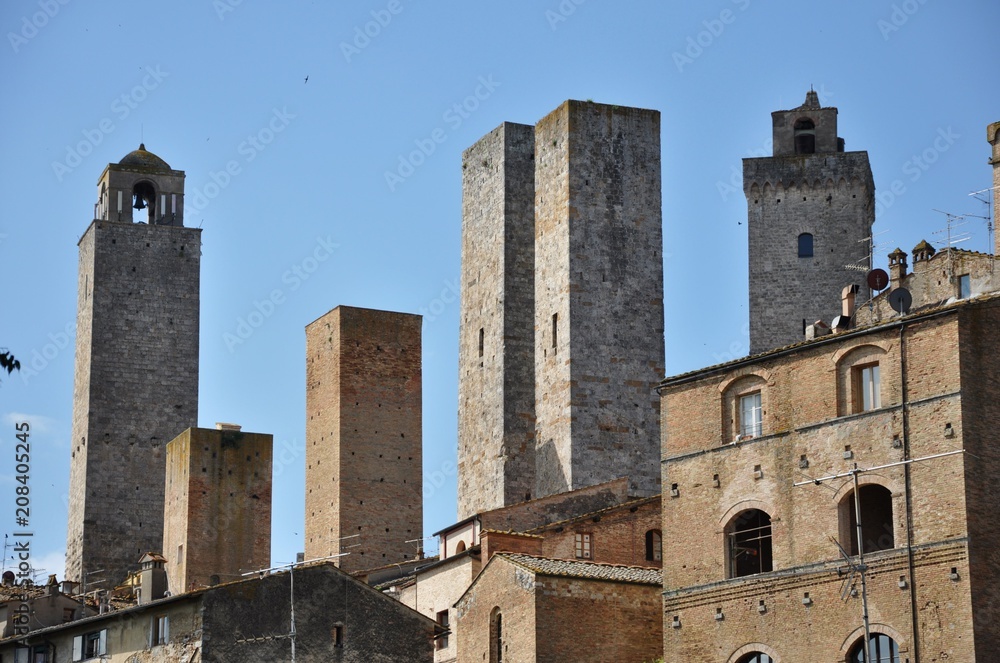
(307, 80)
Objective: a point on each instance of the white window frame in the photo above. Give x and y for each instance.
(868, 382)
(751, 418)
(584, 545)
(100, 638)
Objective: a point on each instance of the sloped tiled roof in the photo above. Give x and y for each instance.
(586, 570)
(634, 504)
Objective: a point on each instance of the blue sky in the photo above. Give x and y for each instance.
(217, 86)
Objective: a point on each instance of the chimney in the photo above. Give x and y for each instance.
(68, 587)
(817, 329)
(897, 268)
(993, 136)
(52, 586)
(152, 578)
(236, 428)
(847, 296)
(922, 252)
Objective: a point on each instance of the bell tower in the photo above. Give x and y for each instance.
(811, 205)
(136, 380)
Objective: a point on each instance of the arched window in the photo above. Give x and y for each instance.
(496, 637)
(654, 546)
(756, 657)
(749, 539)
(806, 245)
(805, 136)
(883, 650)
(460, 547)
(876, 519)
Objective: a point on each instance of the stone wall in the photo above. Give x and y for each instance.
(135, 388)
(496, 425)
(598, 297)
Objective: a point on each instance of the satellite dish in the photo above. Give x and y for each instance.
(878, 279)
(900, 300)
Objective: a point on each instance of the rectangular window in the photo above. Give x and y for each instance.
(442, 620)
(159, 633)
(338, 635)
(90, 645)
(555, 330)
(964, 287)
(583, 550)
(868, 395)
(482, 341)
(751, 415)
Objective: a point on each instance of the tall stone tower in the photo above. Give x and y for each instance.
(993, 136)
(364, 489)
(496, 384)
(217, 515)
(598, 297)
(136, 381)
(810, 207)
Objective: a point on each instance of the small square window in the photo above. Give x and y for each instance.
(867, 389)
(751, 415)
(583, 549)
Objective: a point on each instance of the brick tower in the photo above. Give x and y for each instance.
(496, 383)
(993, 136)
(598, 297)
(364, 489)
(136, 381)
(217, 520)
(810, 207)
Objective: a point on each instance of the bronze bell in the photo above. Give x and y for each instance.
(139, 202)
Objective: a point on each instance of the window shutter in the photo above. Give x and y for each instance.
(78, 648)
(102, 643)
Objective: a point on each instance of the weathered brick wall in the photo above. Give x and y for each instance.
(493, 542)
(496, 452)
(618, 536)
(598, 237)
(597, 621)
(828, 194)
(217, 516)
(552, 508)
(808, 433)
(363, 437)
(509, 589)
(980, 367)
(136, 388)
(827, 628)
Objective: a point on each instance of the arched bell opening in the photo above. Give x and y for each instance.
(144, 198)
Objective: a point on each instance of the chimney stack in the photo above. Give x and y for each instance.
(152, 578)
(897, 268)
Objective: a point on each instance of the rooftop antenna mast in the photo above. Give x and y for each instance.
(986, 197)
(955, 221)
(859, 568)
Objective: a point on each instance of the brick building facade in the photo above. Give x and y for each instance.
(754, 565)
(364, 494)
(217, 513)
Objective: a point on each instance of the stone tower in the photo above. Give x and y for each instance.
(598, 297)
(136, 381)
(217, 518)
(810, 207)
(364, 489)
(496, 384)
(993, 136)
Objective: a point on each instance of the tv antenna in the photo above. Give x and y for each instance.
(858, 568)
(865, 262)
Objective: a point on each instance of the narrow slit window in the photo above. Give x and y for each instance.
(482, 340)
(555, 331)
